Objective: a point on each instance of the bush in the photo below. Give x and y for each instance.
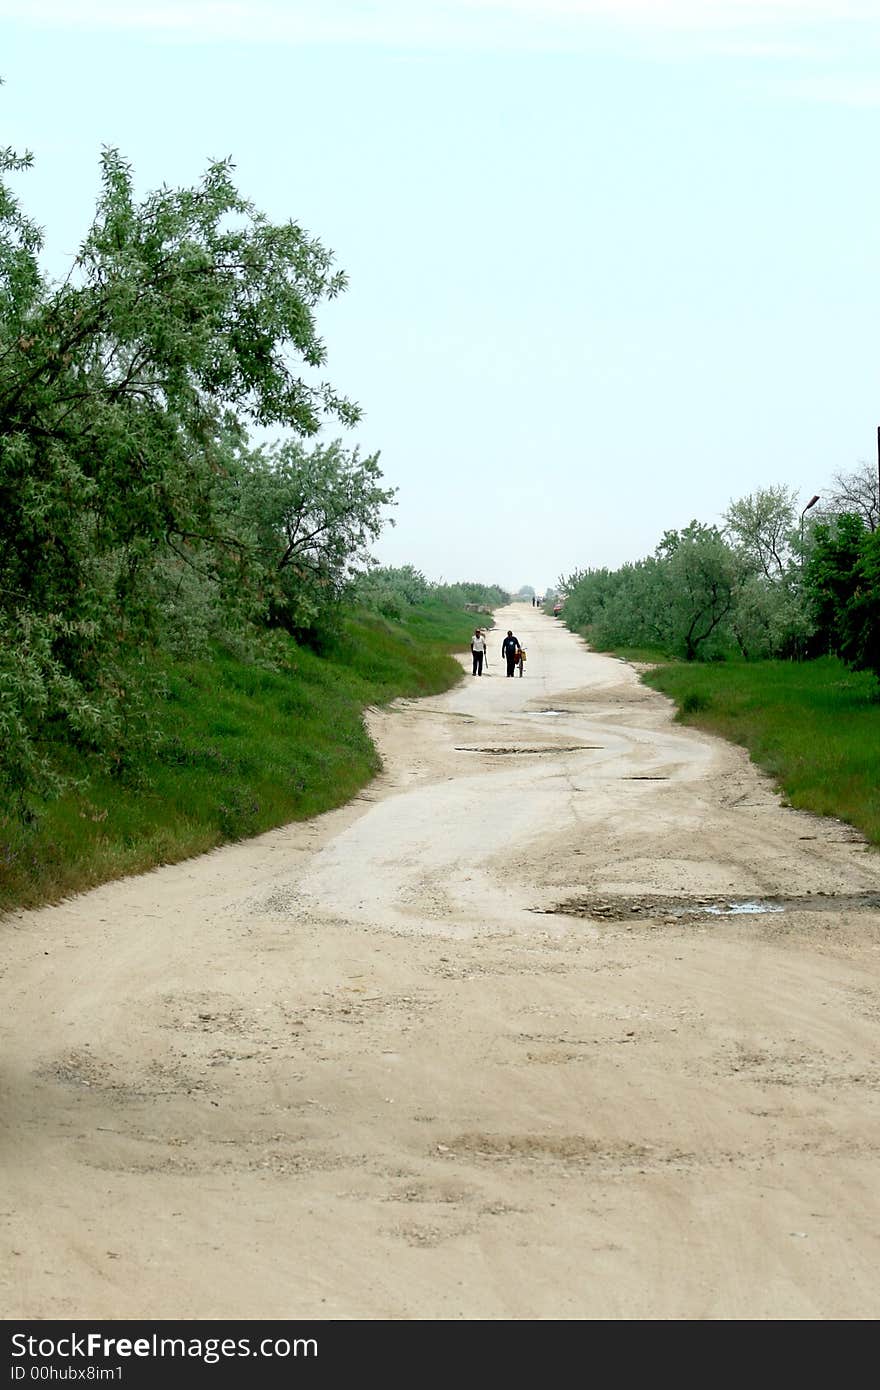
(693, 702)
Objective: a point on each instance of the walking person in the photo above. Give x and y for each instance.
(510, 652)
(478, 651)
(521, 661)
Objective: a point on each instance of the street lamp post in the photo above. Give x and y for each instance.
(812, 502)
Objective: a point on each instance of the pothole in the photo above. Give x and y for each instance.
(644, 777)
(520, 751)
(690, 909)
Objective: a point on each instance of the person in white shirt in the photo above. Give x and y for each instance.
(478, 651)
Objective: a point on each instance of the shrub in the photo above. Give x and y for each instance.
(694, 701)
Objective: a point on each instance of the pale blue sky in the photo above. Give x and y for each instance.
(611, 264)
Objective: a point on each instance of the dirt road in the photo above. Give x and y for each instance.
(358, 1068)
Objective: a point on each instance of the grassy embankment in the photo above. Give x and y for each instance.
(242, 749)
(814, 726)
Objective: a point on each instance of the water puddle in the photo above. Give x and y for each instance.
(741, 909)
(520, 751)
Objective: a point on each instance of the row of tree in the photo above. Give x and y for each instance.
(772, 581)
(392, 591)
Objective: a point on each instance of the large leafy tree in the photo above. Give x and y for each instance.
(703, 578)
(861, 620)
(763, 525)
(831, 577)
(306, 519)
(185, 316)
(843, 586)
(770, 616)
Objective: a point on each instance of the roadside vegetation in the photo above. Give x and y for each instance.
(775, 581)
(814, 726)
(239, 745)
(191, 623)
(767, 631)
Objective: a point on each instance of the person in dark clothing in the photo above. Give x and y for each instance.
(510, 652)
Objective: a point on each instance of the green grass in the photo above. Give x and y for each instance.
(813, 725)
(640, 654)
(243, 749)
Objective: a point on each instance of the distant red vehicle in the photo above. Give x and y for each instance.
(557, 608)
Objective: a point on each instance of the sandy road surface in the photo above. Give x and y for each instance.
(356, 1069)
